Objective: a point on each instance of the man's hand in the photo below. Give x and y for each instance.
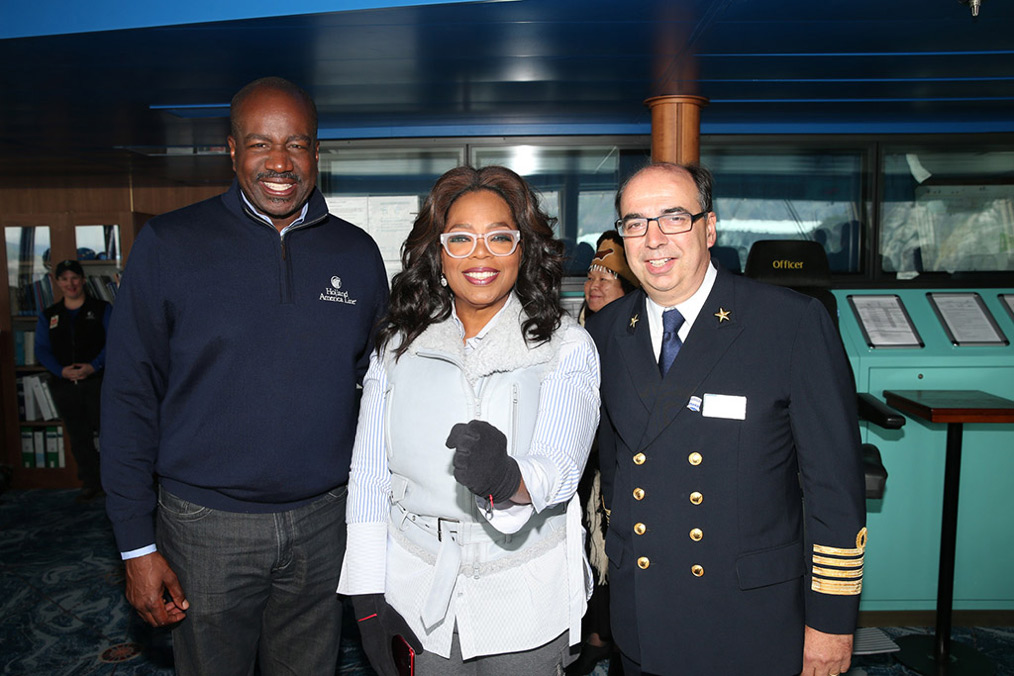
(826, 654)
(149, 577)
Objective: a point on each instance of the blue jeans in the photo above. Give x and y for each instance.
(261, 587)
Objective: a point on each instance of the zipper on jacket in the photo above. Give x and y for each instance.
(285, 281)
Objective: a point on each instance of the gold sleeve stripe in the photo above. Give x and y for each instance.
(844, 563)
(836, 587)
(835, 551)
(830, 572)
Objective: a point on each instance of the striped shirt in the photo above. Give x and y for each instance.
(565, 427)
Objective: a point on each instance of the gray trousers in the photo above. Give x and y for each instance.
(261, 587)
(546, 660)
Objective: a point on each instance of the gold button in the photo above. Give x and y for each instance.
(697, 570)
(695, 458)
(639, 459)
(696, 498)
(639, 494)
(696, 534)
(640, 528)
(643, 562)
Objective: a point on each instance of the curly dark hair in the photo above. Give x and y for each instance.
(417, 298)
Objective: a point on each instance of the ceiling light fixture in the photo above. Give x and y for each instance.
(973, 5)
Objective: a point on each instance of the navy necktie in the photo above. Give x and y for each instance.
(672, 320)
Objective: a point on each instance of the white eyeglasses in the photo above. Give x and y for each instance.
(498, 242)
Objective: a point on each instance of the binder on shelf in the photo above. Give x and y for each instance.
(24, 347)
(61, 451)
(19, 348)
(48, 393)
(31, 407)
(30, 359)
(43, 398)
(27, 448)
(19, 385)
(52, 447)
(39, 444)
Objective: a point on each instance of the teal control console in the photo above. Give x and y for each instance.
(939, 339)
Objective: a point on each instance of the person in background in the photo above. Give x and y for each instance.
(70, 341)
(242, 328)
(609, 278)
(478, 412)
(730, 456)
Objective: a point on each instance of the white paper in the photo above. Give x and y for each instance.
(884, 320)
(966, 318)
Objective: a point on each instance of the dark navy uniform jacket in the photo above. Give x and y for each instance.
(734, 484)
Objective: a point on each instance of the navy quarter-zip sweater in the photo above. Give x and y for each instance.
(233, 360)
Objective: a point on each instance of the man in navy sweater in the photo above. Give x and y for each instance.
(241, 330)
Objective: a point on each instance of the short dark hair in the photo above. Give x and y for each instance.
(701, 177)
(417, 298)
(278, 84)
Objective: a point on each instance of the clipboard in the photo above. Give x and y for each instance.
(966, 319)
(884, 321)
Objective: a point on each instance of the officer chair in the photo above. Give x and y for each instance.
(802, 265)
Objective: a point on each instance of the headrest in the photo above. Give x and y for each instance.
(789, 262)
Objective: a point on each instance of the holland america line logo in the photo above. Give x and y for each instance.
(333, 294)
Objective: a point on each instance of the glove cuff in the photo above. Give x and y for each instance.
(504, 489)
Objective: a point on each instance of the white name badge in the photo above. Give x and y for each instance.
(727, 406)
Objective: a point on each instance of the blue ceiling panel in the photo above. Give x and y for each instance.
(382, 70)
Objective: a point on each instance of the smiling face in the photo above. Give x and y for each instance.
(71, 286)
(601, 288)
(481, 282)
(275, 153)
(670, 267)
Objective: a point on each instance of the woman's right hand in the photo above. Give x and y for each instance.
(379, 623)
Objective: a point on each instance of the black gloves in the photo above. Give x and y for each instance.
(481, 463)
(378, 624)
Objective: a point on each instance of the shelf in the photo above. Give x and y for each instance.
(44, 240)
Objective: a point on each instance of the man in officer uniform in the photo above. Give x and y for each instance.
(730, 456)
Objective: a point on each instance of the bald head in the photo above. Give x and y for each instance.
(277, 84)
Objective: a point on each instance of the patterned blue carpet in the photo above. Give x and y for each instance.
(62, 610)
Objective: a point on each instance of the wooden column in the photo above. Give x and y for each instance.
(676, 128)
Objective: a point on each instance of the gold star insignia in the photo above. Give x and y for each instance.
(634, 320)
(723, 315)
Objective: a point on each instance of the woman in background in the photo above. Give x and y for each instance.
(478, 411)
(70, 341)
(609, 278)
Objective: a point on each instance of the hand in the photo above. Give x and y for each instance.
(75, 372)
(378, 624)
(481, 463)
(826, 654)
(149, 577)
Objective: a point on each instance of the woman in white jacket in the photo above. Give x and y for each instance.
(478, 411)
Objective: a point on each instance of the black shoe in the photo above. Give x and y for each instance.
(590, 656)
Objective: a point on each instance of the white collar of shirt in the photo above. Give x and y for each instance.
(473, 342)
(689, 308)
(267, 219)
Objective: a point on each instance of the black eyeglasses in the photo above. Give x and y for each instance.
(670, 224)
